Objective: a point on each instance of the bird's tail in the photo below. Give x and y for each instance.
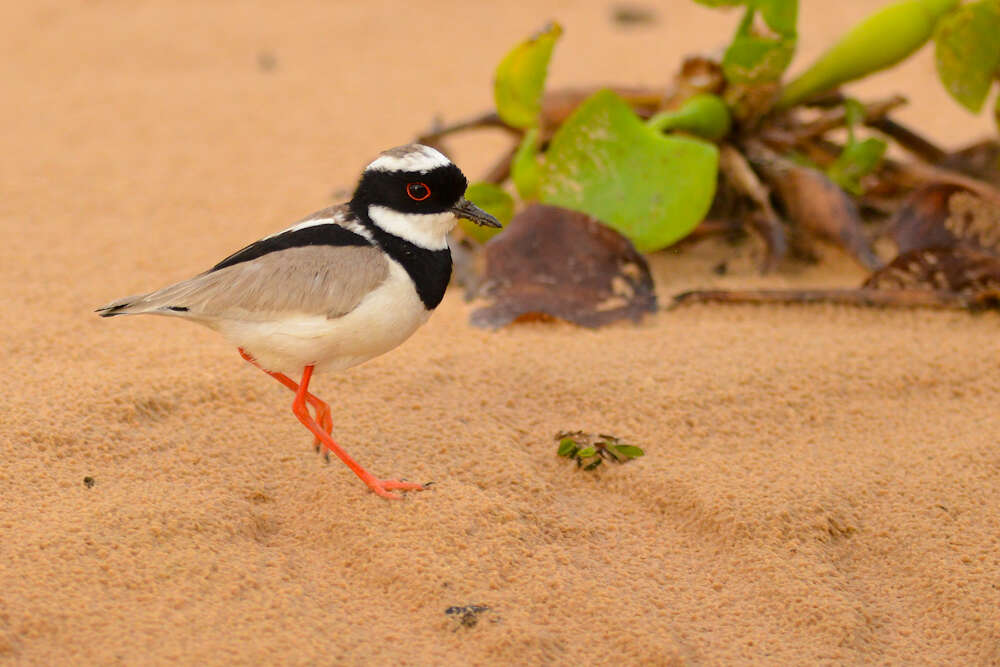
(138, 304)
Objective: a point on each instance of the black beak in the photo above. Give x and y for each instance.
(466, 209)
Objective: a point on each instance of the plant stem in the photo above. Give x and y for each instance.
(862, 296)
(907, 138)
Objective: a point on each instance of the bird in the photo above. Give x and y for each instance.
(337, 288)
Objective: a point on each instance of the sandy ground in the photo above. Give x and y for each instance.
(820, 485)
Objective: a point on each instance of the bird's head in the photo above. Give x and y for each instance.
(416, 193)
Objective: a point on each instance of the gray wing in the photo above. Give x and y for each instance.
(314, 280)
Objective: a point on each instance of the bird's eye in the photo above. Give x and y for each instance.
(418, 191)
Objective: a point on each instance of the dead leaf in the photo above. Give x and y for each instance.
(565, 264)
(943, 215)
(739, 176)
(980, 160)
(818, 205)
(961, 269)
(815, 203)
(919, 222)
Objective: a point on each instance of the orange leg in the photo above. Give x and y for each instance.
(322, 429)
(382, 487)
(320, 406)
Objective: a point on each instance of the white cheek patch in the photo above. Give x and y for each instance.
(426, 230)
(420, 158)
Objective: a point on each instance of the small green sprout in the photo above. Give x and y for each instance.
(589, 450)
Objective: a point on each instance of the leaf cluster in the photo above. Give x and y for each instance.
(589, 450)
(733, 144)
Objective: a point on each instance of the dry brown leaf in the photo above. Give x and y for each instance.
(815, 203)
(740, 177)
(981, 160)
(564, 264)
(961, 269)
(944, 215)
(818, 205)
(919, 222)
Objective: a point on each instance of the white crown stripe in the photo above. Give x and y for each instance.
(420, 159)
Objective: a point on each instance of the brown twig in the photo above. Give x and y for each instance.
(918, 173)
(900, 298)
(787, 133)
(557, 106)
(907, 138)
(711, 227)
(500, 170)
(740, 175)
(484, 120)
(814, 202)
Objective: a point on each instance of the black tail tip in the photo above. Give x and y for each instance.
(111, 311)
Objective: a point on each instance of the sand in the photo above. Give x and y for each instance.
(820, 485)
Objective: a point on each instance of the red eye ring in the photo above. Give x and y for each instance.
(417, 191)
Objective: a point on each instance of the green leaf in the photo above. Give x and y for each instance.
(753, 58)
(967, 52)
(704, 115)
(878, 41)
(593, 464)
(520, 78)
(566, 447)
(854, 113)
(780, 15)
(996, 112)
(494, 200)
(857, 160)
(604, 161)
(525, 170)
(631, 451)
(586, 453)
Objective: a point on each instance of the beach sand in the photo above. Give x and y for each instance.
(821, 484)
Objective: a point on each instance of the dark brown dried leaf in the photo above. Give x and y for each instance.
(980, 160)
(740, 177)
(818, 205)
(919, 222)
(551, 261)
(960, 269)
(943, 215)
(815, 203)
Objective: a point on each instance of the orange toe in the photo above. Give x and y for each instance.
(383, 487)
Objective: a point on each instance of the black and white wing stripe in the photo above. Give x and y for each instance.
(319, 266)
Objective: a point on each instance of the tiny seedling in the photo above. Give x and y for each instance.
(589, 450)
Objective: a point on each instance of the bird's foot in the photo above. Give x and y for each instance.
(384, 487)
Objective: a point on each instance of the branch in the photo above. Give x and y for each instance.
(900, 298)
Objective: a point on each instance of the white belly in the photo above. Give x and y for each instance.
(384, 319)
